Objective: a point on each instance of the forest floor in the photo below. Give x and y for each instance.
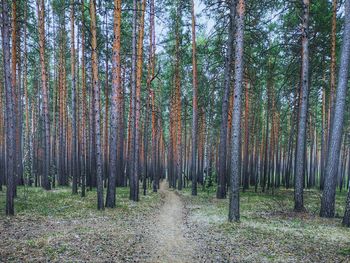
(169, 226)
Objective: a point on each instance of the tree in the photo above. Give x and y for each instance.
(74, 149)
(336, 127)
(194, 105)
(236, 116)
(303, 108)
(15, 91)
(115, 114)
(150, 105)
(83, 111)
(222, 176)
(177, 113)
(137, 98)
(97, 117)
(246, 138)
(333, 62)
(41, 25)
(27, 144)
(132, 111)
(10, 124)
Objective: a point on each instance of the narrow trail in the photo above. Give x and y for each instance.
(170, 241)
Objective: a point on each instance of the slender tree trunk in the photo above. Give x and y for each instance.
(266, 145)
(311, 159)
(83, 102)
(178, 42)
(333, 65)
(194, 105)
(246, 138)
(222, 171)
(116, 90)
(28, 149)
(134, 184)
(47, 147)
(97, 117)
(328, 197)
(236, 117)
(300, 152)
(155, 175)
(2, 125)
(323, 134)
(10, 124)
(14, 62)
(145, 141)
(74, 101)
(132, 112)
(106, 121)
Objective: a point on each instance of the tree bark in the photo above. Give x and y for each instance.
(47, 147)
(303, 108)
(74, 101)
(97, 117)
(328, 197)
(83, 105)
(194, 105)
(10, 124)
(116, 90)
(236, 117)
(132, 112)
(106, 120)
(222, 171)
(178, 40)
(246, 138)
(333, 65)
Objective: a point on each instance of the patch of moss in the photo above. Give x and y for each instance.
(345, 251)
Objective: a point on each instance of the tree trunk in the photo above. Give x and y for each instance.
(328, 197)
(323, 134)
(222, 171)
(333, 65)
(46, 173)
(246, 138)
(194, 105)
(27, 148)
(236, 116)
(178, 42)
(83, 106)
(106, 144)
(116, 90)
(10, 124)
(74, 101)
(300, 151)
(97, 117)
(14, 61)
(134, 177)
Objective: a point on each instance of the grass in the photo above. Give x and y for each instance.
(60, 202)
(57, 226)
(269, 229)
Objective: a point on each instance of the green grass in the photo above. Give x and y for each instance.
(58, 226)
(269, 229)
(281, 200)
(60, 202)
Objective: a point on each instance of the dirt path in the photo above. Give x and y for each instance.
(171, 244)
